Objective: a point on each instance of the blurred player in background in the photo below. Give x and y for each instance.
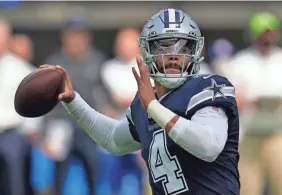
(256, 73)
(41, 165)
(22, 46)
(14, 129)
(123, 90)
(117, 172)
(220, 52)
(187, 127)
(64, 139)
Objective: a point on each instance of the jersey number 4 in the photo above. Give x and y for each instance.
(164, 167)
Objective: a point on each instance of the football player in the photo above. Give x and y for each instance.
(187, 126)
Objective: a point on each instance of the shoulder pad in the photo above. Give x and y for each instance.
(135, 101)
(212, 90)
(128, 114)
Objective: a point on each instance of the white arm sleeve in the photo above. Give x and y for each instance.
(205, 135)
(111, 134)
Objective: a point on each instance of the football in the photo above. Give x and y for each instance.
(38, 92)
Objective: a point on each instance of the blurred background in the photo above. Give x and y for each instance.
(97, 43)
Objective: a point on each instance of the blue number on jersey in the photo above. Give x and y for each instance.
(174, 170)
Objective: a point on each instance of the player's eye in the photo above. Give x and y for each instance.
(173, 45)
(189, 47)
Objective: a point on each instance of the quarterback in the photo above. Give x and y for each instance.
(187, 125)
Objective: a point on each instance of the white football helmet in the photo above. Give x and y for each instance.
(171, 32)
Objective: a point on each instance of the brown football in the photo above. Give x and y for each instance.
(38, 92)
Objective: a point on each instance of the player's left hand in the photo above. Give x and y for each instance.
(145, 88)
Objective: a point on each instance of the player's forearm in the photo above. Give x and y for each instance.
(111, 134)
(203, 136)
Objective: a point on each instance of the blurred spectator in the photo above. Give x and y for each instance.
(220, 52)
(205, 68)
(64, 138)
(118, 78)
(14, 148)
(123, 88)
(83, 62)
(119, 69)
(22, 46)
(256, 73)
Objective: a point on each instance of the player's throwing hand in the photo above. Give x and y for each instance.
(68, 93)
(145, 88)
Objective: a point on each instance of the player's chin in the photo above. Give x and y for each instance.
(172, 71)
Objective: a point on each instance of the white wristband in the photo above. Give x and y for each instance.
(159, 113)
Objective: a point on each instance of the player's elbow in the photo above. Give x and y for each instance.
(215, 146)
(204, 149)
(116, 152)
(210, 152)
(210, 146)
(201, 141)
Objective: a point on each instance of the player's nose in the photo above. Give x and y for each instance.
(173, 58)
